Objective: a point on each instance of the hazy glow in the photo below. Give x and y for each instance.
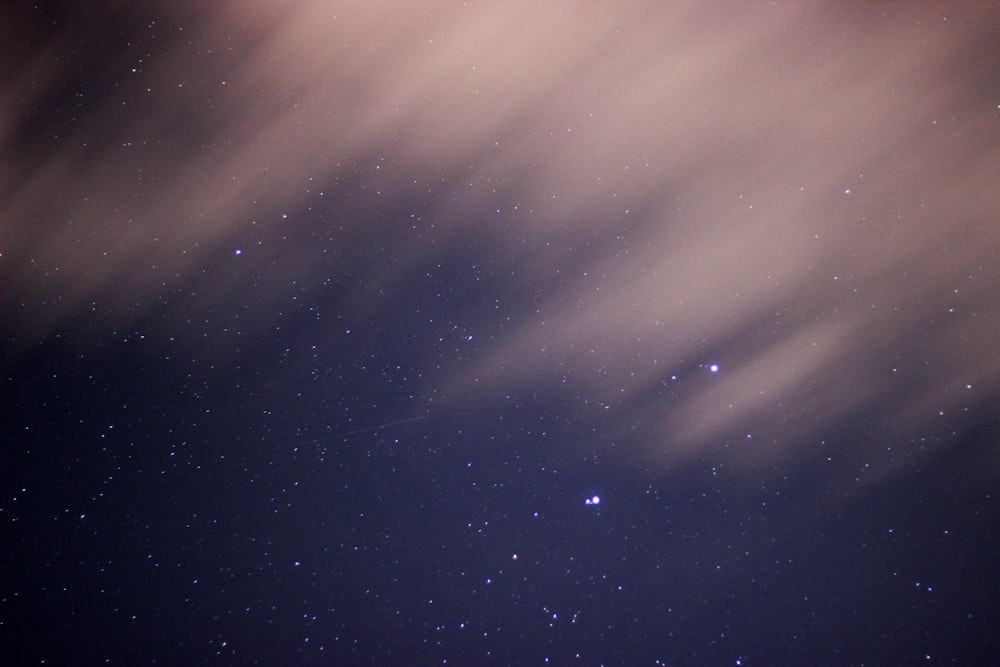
(805, 193)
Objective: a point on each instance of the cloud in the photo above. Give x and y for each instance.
(804, 194)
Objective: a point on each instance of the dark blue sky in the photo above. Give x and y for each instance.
(322, 323)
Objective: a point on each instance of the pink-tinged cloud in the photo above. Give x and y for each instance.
(804, 193)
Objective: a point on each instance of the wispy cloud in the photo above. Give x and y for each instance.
(805, 195)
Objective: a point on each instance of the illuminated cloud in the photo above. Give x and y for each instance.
(802, 194)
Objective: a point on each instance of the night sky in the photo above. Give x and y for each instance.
(500, 333)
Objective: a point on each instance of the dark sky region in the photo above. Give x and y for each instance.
(500, 333)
